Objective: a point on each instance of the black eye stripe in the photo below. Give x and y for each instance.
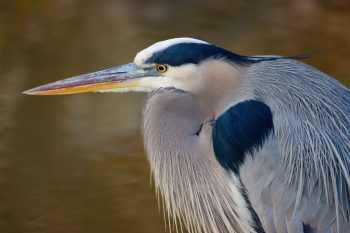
(195, 53)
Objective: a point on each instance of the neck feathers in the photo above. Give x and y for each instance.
(196, 190)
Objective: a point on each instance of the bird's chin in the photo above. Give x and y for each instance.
(150, 84)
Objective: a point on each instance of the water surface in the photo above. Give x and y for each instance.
(76, 163)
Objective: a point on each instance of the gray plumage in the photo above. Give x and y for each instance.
(183, 165)
(237, 143)
(306, 163)
(300, 175)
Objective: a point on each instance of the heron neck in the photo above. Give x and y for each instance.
(194, 187)
(219, 83)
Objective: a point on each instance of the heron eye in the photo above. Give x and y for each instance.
(162, 68)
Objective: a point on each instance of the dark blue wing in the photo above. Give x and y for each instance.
(239, 130)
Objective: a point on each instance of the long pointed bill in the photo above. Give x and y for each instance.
(125, 76)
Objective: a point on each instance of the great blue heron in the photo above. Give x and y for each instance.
(237, 143)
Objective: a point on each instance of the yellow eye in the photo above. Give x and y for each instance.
(162, 68)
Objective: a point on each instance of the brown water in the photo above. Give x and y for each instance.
(76, 163)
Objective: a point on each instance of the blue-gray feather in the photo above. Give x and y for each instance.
(307, 159)
(240, 130)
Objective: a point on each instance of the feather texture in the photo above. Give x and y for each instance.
(311, 146)
(196, 191)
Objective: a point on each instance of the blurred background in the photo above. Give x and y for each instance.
(76, 163)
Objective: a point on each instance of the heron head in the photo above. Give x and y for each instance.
(179, 63)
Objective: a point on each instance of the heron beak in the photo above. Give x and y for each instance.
(125, 76)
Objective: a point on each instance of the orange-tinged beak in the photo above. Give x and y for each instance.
(125, 76)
